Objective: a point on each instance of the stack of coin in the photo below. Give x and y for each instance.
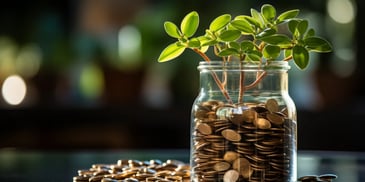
(252, 141)
(134, 171)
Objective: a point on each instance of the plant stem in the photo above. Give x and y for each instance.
(288, 58)
(242, 81)
(215, 77)
(205, 57)
(258, 79)
(242, 86)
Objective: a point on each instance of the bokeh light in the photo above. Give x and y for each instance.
(28, 61)
(129, 46)
(14, 90)
(91, 81)
(341, 11)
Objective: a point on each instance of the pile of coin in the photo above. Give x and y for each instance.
(318, 178)
(169, 171)
(135, 170)
(242, 142)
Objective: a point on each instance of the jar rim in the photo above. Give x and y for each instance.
(245, 65)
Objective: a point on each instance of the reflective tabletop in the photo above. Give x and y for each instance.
(54, 166)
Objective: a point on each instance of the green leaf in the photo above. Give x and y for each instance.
(271, 52)
(170, 52)
(228, 52)
(249, 19)
(229, 35)
(243, 26)
(206, 41)
(266, 32)
(310, 33)
(219, 22)
(204, 49)
(268, 12)
(277, 39)
(257, 16)
(234, 45)
(292, 25)
(172, 30)
(302, 27)
(194, 43)
(287, 52)
(317, 44)
(254, 55)
(300, 56)
(247, 45)
(190, 24)
(287, 15)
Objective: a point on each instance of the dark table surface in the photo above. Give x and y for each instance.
(61, 166)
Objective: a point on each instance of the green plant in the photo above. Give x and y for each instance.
(252, 38)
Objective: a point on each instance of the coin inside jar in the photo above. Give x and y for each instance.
(262, 123)
(204, 129)
(275, 118)
(231, 176)
(272, 105)
(242, 165)
(249, 115)
(222, 166)
(231, 135)
(230, 156)
(236, 119)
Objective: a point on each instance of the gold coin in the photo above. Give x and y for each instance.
(200, 113)
(275, 118)
(204, 129)
(272, 105)
(231, 135)
(108, 180)
(230, 156)
(212, 104)
(221, 166)
(80, 178)
(249, 115)
(284, 111)
(262, 123)
(242, 165)
(236, 119)
(231, 176)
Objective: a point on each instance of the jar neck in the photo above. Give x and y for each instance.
(241, 77)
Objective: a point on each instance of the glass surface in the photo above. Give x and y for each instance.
(61, 166)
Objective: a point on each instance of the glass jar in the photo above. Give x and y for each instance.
(243, 123)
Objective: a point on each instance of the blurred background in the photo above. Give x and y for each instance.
(84, 74)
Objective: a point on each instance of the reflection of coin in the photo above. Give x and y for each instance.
(231, 176)
(272, 105)
(204, 129)
(327, 177)
(275, 118)
(231, 135)
(262, 123)
(309, 178)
